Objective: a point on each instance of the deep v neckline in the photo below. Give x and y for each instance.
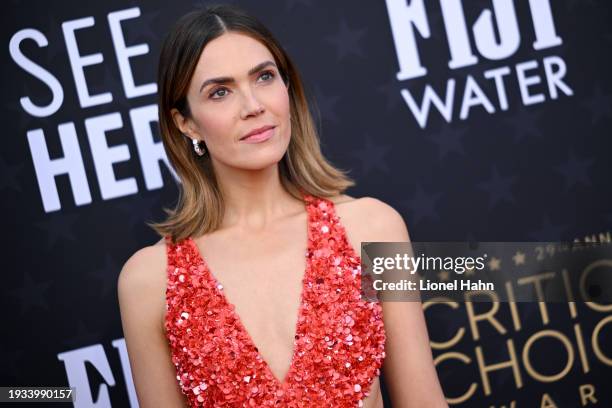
(240, 325)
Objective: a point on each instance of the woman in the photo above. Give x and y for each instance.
(252, 297)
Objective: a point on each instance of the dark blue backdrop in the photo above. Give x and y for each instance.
(515, 146)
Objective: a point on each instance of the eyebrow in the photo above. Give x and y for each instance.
(224, 80)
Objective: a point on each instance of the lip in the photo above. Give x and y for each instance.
(255, 131)
(259, 135)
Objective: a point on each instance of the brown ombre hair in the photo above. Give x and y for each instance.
(303, 169)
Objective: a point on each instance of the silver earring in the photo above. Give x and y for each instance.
(197, 148)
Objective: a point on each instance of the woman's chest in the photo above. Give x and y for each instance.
(279, 309)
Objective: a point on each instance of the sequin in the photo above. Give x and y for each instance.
(338, 345)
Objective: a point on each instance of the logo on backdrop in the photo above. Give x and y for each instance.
(497, 37)
(72, 164)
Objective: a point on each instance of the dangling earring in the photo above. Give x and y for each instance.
(197, 148)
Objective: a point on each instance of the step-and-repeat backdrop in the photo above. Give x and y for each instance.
(480, 120)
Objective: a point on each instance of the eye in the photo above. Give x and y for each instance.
(222, 88)
(210, 95)
(271, 73)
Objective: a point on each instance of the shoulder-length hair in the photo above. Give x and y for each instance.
(303, 169)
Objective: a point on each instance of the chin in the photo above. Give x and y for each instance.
(259, 162)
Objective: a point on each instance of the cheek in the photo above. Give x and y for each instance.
(280, 106)
(282, 101)
(213, 124)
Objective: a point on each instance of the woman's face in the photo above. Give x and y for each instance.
(227, 102)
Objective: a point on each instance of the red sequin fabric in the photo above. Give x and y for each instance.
(339, 342)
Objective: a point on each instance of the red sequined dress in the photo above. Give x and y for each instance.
(339, 342)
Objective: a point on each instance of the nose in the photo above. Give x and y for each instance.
(252, 106)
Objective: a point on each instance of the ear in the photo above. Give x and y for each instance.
(183, 124)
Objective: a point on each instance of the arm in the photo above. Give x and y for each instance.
(141, 290)
(409, 371)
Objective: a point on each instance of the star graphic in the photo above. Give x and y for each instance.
(548, 232)
(519, 258)
(107, 275)
(498, 188)
(83, 337)
(288, 46)
(23, 119)
(346, 40)
(371, 155)
(58, 225)
(391, 90)
(494, 264)
(8, 175)
(599, 104)
(326, 104)
(139, 209)
(31, 293)
(444, 276)
(448, 140)
(524, 123)
(202, 4)
(143, 28)
(575, 171)
(292, 3)
(423, 204)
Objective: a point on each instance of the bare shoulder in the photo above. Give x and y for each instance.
(146, 257)
(144, 272)
(367, 208)
(141, 292)
(342, 198)
(369, 219)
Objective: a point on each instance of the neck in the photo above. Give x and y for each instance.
(255, 199)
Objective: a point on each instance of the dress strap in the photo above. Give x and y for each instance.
(179, 254)
(327, 230)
